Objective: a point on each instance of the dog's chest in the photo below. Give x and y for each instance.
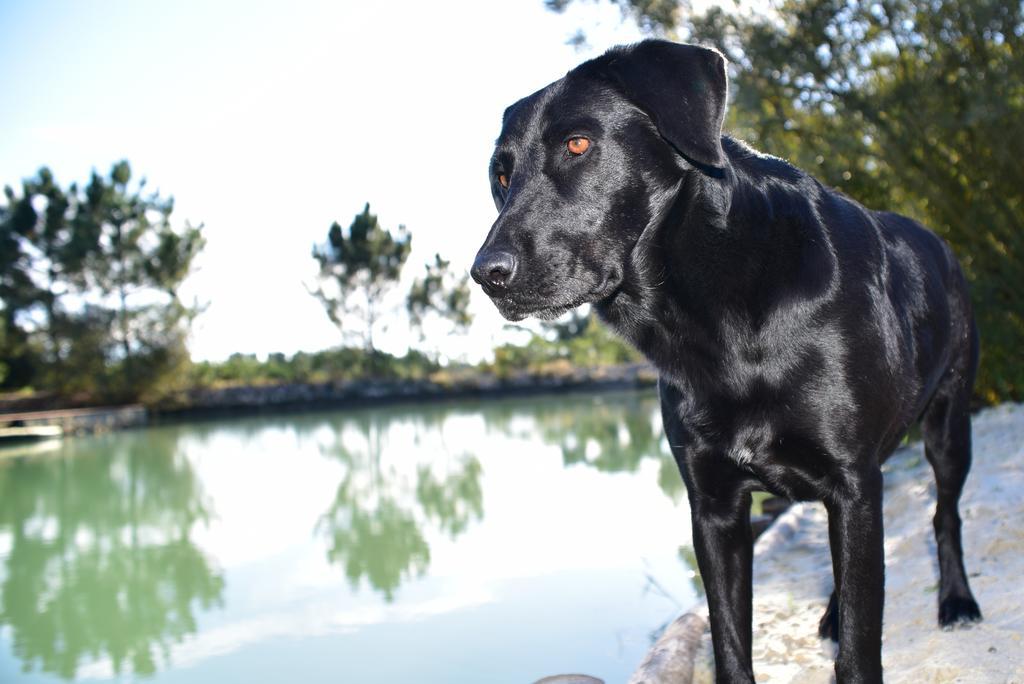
(767, 437)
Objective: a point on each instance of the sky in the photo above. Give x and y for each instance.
(268, 121)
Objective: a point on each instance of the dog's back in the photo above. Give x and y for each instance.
(891, 284)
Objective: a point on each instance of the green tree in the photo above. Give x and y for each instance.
(138, 263)
(356, 271)
(50, 256)
(39, 255)
(579, 341)
(910, 106)
(89, 279)
(569, 326)
(16, 356)
(441, 293)
(3, 345)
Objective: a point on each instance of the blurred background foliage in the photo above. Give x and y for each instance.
(578, 340)
(338, 364)
(441, 293)
(90, 310)
(357, 268)
(913, 107)
(88, 284)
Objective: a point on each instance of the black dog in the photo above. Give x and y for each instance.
(797, 334)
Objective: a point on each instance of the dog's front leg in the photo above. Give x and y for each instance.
(858, 560)
(724, 547)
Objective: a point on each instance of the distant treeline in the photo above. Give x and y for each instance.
(343, 363)
(578, 342)
(90, 312)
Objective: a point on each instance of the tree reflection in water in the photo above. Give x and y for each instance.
(393, 488)
(101, 564)
(387, 496)
(613, 433)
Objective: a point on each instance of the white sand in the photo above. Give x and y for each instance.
(792, 574)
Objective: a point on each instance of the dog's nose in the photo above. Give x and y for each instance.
(493, 270)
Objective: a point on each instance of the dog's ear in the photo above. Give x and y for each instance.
(683, 88)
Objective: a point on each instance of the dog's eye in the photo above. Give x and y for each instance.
(577, 145)
(503, 180)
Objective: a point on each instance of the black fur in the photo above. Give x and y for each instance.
(797, 334)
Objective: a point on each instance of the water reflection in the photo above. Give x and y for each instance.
(100, 561)
(262, 545)
(615, 437)
(390, 492)
(375, 523)
(614, 433)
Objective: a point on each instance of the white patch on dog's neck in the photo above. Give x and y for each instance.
(742, 455)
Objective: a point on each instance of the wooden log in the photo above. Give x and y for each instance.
(670, 660)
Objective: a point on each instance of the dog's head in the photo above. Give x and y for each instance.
(585, 165)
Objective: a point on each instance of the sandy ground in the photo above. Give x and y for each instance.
(792, 574)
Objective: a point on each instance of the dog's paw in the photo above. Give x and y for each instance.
(958, 610)
(828, 627)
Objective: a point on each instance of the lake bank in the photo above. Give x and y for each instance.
(58, 422)
(371, 392)
(237, 400)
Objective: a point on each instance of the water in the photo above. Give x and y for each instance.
(463, 542)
